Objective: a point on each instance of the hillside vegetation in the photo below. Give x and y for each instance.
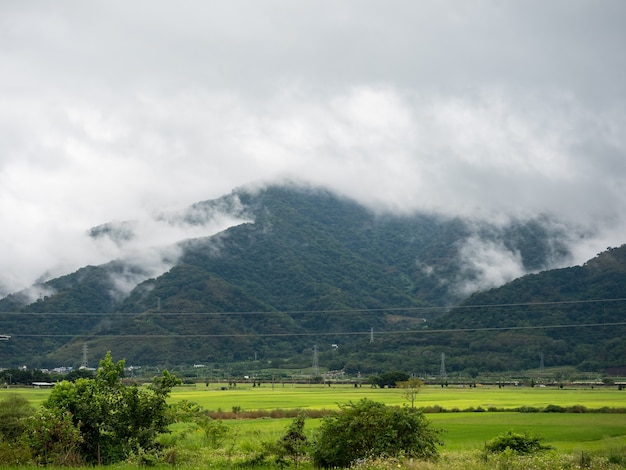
(570, 316)
(309, 270)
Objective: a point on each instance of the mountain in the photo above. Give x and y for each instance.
(299, 268)
(570, 316)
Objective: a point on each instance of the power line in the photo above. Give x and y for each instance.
(335, 311)
(338, 333)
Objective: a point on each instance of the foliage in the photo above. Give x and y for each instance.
(368, 429)
(13, 454)
(23, 376)
(411, 388)
(520, 443)
(14, 410)
(54, 438)
(389, 379)
(294, 444)
(113, 419)
(74, 374)
(214, 430)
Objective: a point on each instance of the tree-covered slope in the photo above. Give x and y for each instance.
(570, 316)
(307, 268)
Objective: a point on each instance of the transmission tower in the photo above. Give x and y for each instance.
(371, 334)
(316, 369)
(442, 368)
(541, 365)
(83, 365)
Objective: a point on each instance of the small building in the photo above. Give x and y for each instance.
(43, 384)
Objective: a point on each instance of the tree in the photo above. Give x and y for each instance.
(72, 375)
(411, 388)
(114, 419)
(389, 379)
(369, 429)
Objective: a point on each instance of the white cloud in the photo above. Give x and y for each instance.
(486, 264)
(116, 111)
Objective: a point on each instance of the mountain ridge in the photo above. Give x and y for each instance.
(301, 266)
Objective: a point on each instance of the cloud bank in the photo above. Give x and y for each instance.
(489, 110)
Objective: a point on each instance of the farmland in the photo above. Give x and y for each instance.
(459, 410)
(464, 429)
(290, 396)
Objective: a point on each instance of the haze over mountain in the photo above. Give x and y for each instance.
(494, 111)
(300, 266)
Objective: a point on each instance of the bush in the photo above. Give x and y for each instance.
(54, 439)
(369, 429)
(214, 430)
(528, 409)
(294, 444)
(554, 409)
(524, 443)
(13, 454)
(13, 413)
(114, 420)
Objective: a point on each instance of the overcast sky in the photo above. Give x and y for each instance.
(114, 110)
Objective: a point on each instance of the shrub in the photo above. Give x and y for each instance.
(53, 438)
(13, 454)
(554, 409)
(369, 429)
(524, 443)
(114, 420)
(13, 411)
(528, 409)
(577, 409)
(214, 430)
(294, 444)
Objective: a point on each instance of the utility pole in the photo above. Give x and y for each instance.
(6, 338)
(442, 368)
(315, 370)
(83, 365)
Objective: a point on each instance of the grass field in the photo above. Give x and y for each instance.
(464, 431)
(318, 396)
(567, 432)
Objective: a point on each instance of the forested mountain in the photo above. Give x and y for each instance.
(570, 316)
(306, 269)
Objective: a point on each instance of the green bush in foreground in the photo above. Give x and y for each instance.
(369, 429)
(520, 443)
(113, 420)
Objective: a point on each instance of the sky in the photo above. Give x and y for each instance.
(488, 109)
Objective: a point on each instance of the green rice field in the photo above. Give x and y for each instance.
(318, 396)
(567, 432)
(466, 427)
(290, 396)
